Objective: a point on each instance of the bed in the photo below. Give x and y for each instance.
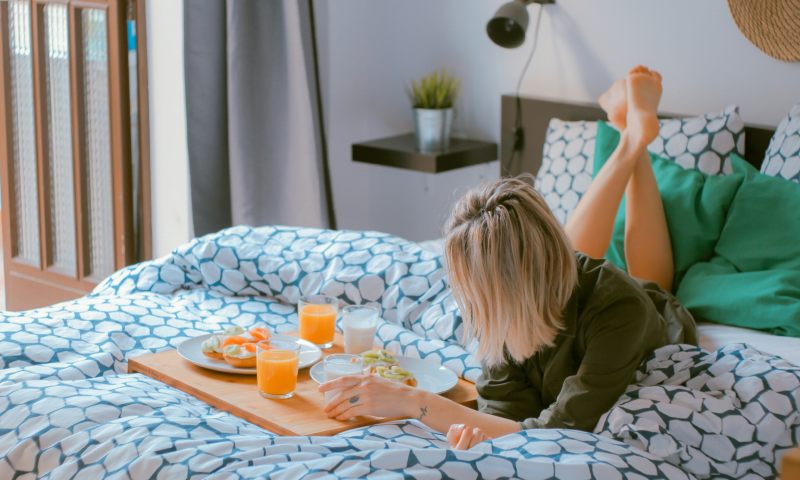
(535, 115)
(713, 336)
(69, 409)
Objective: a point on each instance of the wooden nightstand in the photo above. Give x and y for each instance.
(401, 152)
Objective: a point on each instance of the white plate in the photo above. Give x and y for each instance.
(430, 376)
(192, 351)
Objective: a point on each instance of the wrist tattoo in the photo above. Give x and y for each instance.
(354, 400)
(422, 412)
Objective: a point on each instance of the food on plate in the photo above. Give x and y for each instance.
(383, 364)
(214, 346)
(397, 374)
(377, 358)
(259, 334)
(240, 355)
(232, 330)
(235, 340)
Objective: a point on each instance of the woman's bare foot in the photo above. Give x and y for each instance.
(462, 437)
(643, 95)
(615, 103)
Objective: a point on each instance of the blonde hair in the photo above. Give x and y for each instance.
(511, 268)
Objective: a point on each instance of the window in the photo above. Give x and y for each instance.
(74, 167)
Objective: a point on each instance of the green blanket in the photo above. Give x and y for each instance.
(735, 241)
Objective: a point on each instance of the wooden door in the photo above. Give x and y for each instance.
(65, 132)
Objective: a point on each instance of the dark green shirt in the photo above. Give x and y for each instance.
(611, 323)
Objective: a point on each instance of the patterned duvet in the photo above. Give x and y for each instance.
(69, 410)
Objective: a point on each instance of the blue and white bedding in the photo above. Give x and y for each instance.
(69, 410)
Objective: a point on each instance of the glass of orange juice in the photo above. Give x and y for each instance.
(317, 318)
(276, 367)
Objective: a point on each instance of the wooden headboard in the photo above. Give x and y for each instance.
(535, 117)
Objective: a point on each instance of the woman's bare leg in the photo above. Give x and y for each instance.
(590, 226)
(648, 251)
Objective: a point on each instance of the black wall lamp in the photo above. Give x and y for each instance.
(507, 29)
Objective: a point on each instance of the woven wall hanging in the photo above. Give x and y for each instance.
(771, 25)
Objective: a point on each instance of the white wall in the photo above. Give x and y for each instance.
(370, 49)
(168, 151)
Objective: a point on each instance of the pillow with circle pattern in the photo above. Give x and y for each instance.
(699, 143)
(783, 154)
(567, 164)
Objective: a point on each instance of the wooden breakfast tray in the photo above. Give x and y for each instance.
(237, 394)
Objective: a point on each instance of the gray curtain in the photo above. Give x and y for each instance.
(255, 135)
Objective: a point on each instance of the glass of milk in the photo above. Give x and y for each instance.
(359, 323)
(338, 365)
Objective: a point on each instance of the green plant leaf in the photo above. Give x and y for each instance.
(436, 90)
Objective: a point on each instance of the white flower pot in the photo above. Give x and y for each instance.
(432, 129)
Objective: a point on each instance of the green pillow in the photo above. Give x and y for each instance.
(695, 205)
(754, 278)
(715, 291)
(762, 231)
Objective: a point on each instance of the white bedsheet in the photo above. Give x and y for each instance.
(713, 336)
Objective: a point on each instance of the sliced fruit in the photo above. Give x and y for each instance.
(234, 340)
(259, 333)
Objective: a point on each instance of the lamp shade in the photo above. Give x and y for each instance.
(507, 27)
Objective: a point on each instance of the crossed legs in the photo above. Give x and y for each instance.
(631, 106)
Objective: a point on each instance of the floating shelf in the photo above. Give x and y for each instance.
(401, 152)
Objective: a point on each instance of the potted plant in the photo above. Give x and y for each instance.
(432, 98)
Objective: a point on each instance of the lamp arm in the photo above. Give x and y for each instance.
(519, 134)
(533, 48)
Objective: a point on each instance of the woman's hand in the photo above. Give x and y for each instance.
(357, 395)
(462, 437)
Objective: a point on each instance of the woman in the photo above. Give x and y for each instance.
(559, 334)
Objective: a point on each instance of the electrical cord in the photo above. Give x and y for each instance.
(519, 134)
